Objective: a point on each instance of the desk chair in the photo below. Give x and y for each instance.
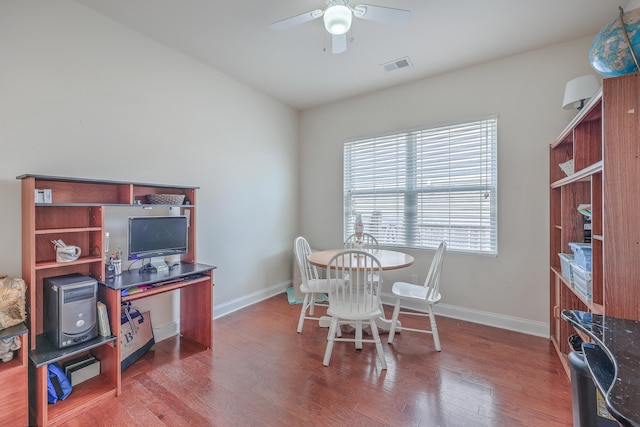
(312, 286)
(356, 302)
(427, 294)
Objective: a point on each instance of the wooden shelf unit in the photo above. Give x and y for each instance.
(14, 395)
(602, 140)
(76, 215)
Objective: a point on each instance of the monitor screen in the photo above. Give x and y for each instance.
(157, 236)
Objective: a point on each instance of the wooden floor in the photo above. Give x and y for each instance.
(262, 373)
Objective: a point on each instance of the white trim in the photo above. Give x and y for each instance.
(247, 300)
(173, 328)
(166, 331)
(517, 324)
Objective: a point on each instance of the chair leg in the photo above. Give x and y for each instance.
(303, 310)
(312, 304)
(376, 337)
(394, 321)
(330, 340)
(358, 335)
(434, 329)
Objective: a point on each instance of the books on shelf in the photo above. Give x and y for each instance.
(103, 320)
(81, 369)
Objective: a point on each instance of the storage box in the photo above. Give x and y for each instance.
(582, 254)
(581, 280)
(565, 265)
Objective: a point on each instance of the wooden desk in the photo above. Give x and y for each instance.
(77, 213)
(389, 260)
(195, 283)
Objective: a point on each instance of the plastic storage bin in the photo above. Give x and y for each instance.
(582, 254)
(581, 280)
(565, 266)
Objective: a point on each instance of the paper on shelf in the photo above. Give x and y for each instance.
(585, 209)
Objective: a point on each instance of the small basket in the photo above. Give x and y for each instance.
(165, 199)
(567, 167)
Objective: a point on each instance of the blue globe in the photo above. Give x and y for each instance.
(609, 54)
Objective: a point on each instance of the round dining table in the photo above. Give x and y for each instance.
(389, 260)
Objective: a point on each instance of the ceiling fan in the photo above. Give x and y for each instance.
(337, 19)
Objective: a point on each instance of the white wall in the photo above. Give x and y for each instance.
(85, 97)
(512, 289)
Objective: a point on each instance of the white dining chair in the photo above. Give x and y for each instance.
(368, 241)
(365, 242)
(312, 286)
(427, 295)
(356, 301)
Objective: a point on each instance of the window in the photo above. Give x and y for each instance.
(416, 188)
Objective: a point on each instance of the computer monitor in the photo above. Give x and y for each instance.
(155, 237)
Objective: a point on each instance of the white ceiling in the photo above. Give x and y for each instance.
(234, 37)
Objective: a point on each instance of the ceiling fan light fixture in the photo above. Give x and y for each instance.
(337, 19)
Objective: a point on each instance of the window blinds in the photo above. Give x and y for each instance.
(417, 188)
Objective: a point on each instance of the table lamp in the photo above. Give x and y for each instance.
(579, 90)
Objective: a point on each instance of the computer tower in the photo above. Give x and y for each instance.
(70, 309)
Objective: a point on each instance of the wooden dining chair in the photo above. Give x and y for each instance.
(427, 295)
(356, 301)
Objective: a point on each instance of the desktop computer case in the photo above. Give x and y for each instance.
(70, 309)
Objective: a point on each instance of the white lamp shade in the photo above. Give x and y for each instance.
(579, 90)
(337, 19)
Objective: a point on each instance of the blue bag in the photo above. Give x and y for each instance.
(58, 385)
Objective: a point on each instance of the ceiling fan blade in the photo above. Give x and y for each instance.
(296, 20)
(339, 43)
(385, 15)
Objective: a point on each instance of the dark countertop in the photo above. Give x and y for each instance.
(137, 277)
(45, 352)
(99, 181)
(13, 331)
(613, 360)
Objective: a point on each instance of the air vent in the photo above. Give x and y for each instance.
(397, 64)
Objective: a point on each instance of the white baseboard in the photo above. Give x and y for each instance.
(166, 331)
(526, 326)
(247, 300)
(173, 328)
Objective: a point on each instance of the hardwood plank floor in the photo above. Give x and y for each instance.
(262, 373)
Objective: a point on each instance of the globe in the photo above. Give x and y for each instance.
(610, 54)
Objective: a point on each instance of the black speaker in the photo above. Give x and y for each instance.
(70, 309)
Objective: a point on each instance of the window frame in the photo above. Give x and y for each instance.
(426, 217)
